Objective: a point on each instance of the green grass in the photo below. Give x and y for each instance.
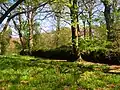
(29, 73)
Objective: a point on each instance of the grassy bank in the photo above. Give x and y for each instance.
(29, 73)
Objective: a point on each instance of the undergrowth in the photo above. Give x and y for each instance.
(29, 73)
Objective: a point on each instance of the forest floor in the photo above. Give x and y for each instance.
(29, 73)
(112, 68)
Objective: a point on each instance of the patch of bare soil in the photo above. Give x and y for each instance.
(114, 69)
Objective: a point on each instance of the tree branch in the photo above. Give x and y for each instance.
(10, 9)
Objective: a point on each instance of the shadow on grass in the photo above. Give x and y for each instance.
(116, 73)
(11, 62)
(17, 70)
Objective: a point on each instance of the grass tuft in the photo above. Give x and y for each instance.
(29, 73)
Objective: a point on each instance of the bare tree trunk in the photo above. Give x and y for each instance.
(19, 29)
(78, 27)
(58, 30)
(84, 28)
(114, 10)
(30, 24)
(73, 14)
(20, 34)
(29, 36)
(108, 20)
(90, 24)
(2, 38)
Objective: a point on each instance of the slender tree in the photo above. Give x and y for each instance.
(74, 21)
(107, 15)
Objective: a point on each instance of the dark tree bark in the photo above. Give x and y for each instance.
(58, 18)
(90, 24)
(107, 15)
(78, 27)
(114, 5)
(19, 32)
(107, 19)
(89, 6)
(74, 25)
(10, 9)
(2, 37)
(84, 28)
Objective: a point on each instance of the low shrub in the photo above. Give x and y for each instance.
(60, 53)
(99, 51)
(111, 57)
